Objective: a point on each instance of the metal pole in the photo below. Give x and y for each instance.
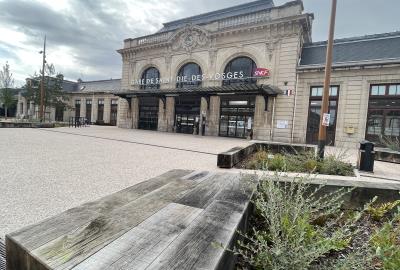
(42, 84)
(327, 82)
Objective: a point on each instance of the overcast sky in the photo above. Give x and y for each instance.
(83, 35)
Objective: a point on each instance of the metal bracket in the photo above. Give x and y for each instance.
(164, 100)
(266, 103)
(207, 98)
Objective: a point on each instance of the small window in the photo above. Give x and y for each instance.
(394, 89)
(238, 102)
(317, 91)
(88, 102)
(333, 91)
(114, 102)
(77, 102)
(378, 90)
(101, 101)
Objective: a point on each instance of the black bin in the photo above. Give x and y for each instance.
(366, 156)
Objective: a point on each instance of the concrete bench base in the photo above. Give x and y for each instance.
(387, 155)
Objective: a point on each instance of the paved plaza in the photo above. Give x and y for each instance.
(46, 171)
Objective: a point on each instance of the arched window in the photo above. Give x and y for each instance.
(150, 79)
(240, 71)
(189, 76)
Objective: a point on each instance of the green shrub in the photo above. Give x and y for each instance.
(379, 211)
(385, 242)
(335, 166)
(290, 240)
(277, 163)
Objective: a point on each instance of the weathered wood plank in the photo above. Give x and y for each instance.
(193, 249)
(204, 193)
(72, 248)
(39, 234)
(143, 243)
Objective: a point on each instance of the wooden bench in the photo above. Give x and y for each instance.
(168, 222)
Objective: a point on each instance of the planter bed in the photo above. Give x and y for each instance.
(387, 155)
(236, 155)
(369, 239)
(25, 125)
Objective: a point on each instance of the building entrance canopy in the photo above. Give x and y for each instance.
(247, 89)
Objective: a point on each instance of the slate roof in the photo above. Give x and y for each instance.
(354, 51)
(69, 86)
(111, 85)
(204, 18)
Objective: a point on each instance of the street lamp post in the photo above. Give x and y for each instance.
(324, 120)
(42, 83)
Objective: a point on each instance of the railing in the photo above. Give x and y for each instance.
(222, 24)
(245, 19)
(78, 122)
(157, 38)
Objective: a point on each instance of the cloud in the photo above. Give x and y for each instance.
(83, 36)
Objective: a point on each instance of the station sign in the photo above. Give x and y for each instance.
(234, 75)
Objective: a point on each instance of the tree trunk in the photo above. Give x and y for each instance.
(5, 112)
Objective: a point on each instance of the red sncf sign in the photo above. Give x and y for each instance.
(261, 72)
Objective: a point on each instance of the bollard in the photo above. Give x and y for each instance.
(366, 156)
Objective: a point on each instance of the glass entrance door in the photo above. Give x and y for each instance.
(236, 117)
(187, 115)
(148, 113)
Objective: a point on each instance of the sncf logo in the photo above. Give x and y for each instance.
(261, 72)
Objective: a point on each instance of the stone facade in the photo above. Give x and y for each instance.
(271, 38)
(354, 85)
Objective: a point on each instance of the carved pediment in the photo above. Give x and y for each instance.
(189, 38)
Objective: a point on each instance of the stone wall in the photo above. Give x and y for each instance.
(354, 85)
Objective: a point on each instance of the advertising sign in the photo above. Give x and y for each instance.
(326, 119)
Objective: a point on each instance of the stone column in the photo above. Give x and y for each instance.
(31, 111)
(166, 115)
(123, 115)
(170, 114)
(135, 112)
(107, 110)
(261, 123)
(19, 109)
(95, 104)
(83, 107)
(203, 112)
(212, 122)
(25, 107)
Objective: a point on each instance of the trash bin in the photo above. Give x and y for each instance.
(366, 156)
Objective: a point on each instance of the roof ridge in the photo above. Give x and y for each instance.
(105, 80)
(356, 39)
(222, 11)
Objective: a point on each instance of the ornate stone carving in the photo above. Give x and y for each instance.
(189, 38)
(270, 48)
(213, 55)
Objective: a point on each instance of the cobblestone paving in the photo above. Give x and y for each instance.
(45, 172)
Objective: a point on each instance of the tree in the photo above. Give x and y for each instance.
(54, 96)
(6, 85)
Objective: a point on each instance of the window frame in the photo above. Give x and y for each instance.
(143, 77)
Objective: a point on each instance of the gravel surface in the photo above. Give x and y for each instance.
(46, 171)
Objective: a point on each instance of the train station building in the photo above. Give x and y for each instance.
(253, 70)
